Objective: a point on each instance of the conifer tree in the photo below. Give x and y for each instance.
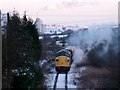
(22, 52)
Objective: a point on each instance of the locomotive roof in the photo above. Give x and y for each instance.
(65, 52)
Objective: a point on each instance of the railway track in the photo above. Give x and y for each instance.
(55, 82)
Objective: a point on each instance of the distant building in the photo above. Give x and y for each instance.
(3, 22)
(39, 25)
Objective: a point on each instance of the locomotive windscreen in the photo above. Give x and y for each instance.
(63, 53)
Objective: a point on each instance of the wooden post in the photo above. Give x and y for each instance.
(0, 54)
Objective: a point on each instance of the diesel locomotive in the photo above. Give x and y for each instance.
(63, 60)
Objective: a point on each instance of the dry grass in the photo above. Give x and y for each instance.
(92, 72)
(93, 77)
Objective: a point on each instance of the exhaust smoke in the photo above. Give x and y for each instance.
(99, 43)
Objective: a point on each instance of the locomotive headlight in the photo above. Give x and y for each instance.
(68, 59)
(57, 59)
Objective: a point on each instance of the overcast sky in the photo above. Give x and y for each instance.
(71, 12)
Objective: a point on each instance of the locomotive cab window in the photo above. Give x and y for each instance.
(63, 53)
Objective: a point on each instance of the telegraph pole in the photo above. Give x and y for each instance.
(0, 54)
(0, 23)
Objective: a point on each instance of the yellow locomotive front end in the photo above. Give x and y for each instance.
(62, 61)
